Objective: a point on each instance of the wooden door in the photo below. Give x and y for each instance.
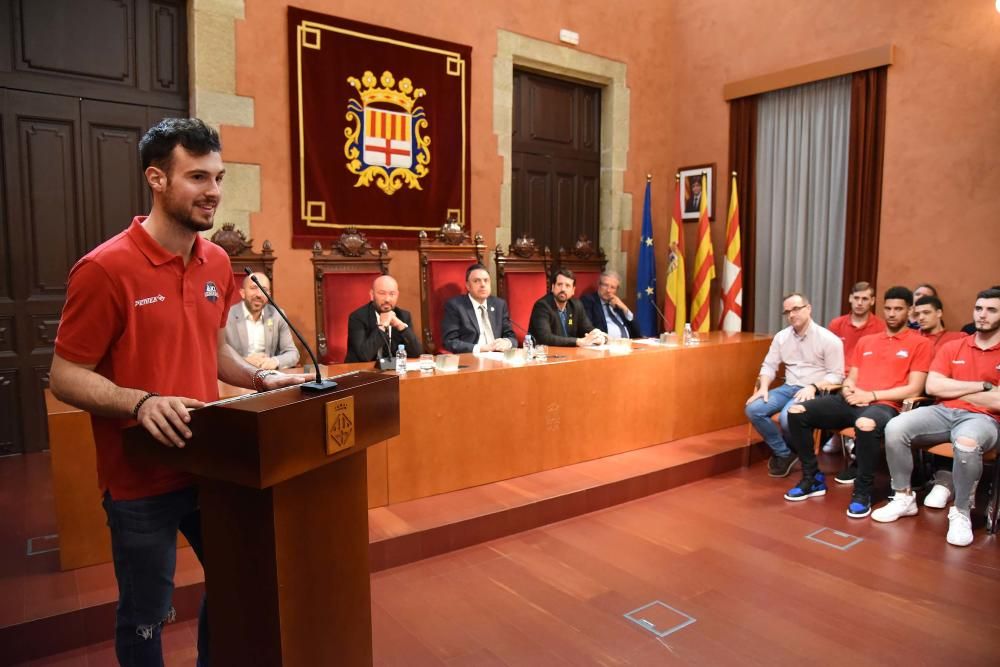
(556, 162)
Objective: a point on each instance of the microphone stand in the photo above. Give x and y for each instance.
(319, 384)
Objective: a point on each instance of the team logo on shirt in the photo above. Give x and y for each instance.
(867, 354)
(902, 354)
(211, 291)
(149, 299)
(962, 361)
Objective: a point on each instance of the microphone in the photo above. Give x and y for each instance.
(519, 327)
(317, 385)
(386, 363)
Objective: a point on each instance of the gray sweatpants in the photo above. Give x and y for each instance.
(933, 425)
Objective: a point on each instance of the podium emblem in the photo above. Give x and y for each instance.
(339, 425)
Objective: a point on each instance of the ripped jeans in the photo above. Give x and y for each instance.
(144, 549)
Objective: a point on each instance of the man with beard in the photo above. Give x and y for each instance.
(964, 376)
(378, 328)
(133, 304)
(257, 332)
(560, 320)
(885, 368)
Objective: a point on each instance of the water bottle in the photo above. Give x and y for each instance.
(401, 359)
(689, 338)
(529, 347)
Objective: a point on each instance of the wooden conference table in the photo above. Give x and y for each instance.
(483, 423)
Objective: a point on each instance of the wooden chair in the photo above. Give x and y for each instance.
(343, 277)
(242, 256)
(586, 262)
(443, 262)
(522, 278)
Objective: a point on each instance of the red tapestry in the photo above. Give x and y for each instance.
(380, 131)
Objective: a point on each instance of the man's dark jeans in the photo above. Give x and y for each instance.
(834, 413)
(144, 548)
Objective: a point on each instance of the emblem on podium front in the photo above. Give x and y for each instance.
(386, 146)
(339, 425)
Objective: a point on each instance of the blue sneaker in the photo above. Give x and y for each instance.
(807, 488)
(860, 507)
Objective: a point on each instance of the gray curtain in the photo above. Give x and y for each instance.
(802, 151)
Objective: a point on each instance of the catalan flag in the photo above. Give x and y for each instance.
(675, 304)
(732, 270)
(704, 267)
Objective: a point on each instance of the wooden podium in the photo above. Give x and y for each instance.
(285, 518)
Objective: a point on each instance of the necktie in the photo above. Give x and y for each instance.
(613, 316)
(484, 325)
(563, 317)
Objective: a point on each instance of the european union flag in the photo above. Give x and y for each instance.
(645, 299)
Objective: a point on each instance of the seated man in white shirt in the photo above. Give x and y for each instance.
(257, 332)
(609, 313)
(813, 357)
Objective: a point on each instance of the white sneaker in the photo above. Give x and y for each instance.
(831, 446)
(938, 497)
(900, 505)
(959, 528)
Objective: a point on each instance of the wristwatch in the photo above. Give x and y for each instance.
(987, 386)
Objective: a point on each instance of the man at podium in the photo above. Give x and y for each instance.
(133, 304)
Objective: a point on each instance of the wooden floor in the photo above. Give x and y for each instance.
(727, 551)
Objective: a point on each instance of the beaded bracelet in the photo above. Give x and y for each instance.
(135, 410)
(258, 378)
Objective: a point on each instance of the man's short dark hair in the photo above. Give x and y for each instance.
(899, 292)
(157, 146)
(566, 273)
(932, 301)
(863, 286)
(991, 293)
(928, 286)
(474, 267)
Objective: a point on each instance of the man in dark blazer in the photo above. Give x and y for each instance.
(607, 311)
(560, 320)
(256, 331)
(462, 328)
(378, 328)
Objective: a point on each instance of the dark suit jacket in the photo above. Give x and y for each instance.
(460, 323)
(366, 342)
(595, 311)
(546, 327)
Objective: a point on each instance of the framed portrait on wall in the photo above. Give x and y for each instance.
(692, 191)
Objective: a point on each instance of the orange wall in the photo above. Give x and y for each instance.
(941, 191)
(942, 170)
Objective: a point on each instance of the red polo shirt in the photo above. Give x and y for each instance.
(942, 337)
(885, 361)
(147, 322)
(963, 360)
(851, 334)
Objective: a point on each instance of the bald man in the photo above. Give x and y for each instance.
(378, 328)
(256, 331)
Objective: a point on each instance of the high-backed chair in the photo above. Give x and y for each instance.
(242, 256)
(443, 261)
(522, 278)
(343, 277)
(586, 262)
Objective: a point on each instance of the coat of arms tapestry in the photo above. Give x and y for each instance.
(380, 130)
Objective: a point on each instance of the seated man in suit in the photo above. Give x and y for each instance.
(478, 321)
(378, 328)
(559, 319)
(257, 332)
(607, 311)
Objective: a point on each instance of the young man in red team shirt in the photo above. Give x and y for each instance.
(861, 321)
(885, 369)
(142, 339)
(928, 311)
(965, 376)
